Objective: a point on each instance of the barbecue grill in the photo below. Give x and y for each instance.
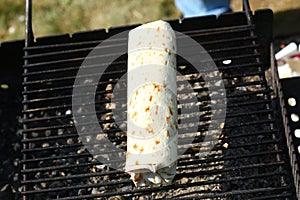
(256, 154)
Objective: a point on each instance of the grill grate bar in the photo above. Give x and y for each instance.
(60, 137)
(67, 146)
(124, 62)
(181, 161)
(56, 157)
(49, 80)
(69, 117)
(242, 124)
(34, 170)
(67, 88)
(86, 50)
(199, 33)
(149, 190)
(202, 118)
(80, 60)
(65, 97)
(252, 123)
(214, 195)
(283, 195)
(226, 139)
(87, 175)
(205, 98)
(241, 192)
(203, 109)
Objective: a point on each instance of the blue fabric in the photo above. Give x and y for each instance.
(192, 8)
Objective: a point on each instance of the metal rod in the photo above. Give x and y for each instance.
(28, 24)
(28, 42)
(247, 9)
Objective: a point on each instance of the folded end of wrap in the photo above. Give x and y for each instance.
(140, 168)
(146, 177)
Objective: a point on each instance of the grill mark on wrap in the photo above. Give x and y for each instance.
(141, 150)
(167, 119)
(170, 110)
(134, 114)
(147, 109)
(168, 133)
(156, 86)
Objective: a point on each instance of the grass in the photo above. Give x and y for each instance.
(67, 16)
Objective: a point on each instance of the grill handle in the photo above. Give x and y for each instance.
(29, 36)
(28, 24)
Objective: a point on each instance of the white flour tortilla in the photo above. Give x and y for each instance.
(152, 105)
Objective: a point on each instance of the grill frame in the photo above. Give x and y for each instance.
(287, 88)
(263, 38)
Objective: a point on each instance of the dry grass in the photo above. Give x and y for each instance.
(67, 16)
(275, 5)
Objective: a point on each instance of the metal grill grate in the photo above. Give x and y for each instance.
(248, 162)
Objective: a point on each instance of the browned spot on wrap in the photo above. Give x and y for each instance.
(164, 85)
(156, 109)
(166, 50)
(134, 114)
(172, 127)
(150, 99)
(167, 119)
(166, 62)
(164, 44)
(170, 110)
(149, 130)
(136, 92)
(156, 86)
(133, 132)
(169, 53)
(157, 142)
(141, 149)
(130, 102)
(158, 28)
(135, 146)
(168, 133)
(176, 125)
(147, 109)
